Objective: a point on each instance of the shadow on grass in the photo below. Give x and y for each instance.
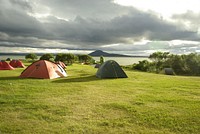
(80, 79)
(10, 78)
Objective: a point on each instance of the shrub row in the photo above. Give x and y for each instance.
(181, 64)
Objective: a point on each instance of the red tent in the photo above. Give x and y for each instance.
(5, 66)
(43, 69)
(17, 64)
(62, 64)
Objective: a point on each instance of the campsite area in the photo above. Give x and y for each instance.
(81, 103)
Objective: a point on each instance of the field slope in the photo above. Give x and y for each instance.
(81, 103)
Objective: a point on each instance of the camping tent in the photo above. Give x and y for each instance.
(17, 64)
(169, 71)
(5, 66)
(43, 69)
(110, 69)
(62, 64)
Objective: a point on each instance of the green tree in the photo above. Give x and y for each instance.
(85, 59)
(176, 62)
(31, 56)
(159, 56)
(159, 59)
(181, 64)
(47, 56)
(101, 59)
(69, 58)
(66, 58)
(144, 65)
(8, 59)
(59, 57)
(193, 62)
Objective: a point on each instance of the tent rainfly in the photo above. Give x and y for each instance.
(110, 69)
(5, 66)
(43, 69)
(17, 64)
(169, 71)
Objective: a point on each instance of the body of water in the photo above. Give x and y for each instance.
(123, 60)
(4, 57)
(120, 60)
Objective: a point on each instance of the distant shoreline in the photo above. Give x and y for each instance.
(18, 54)
(120, 60)
(40, 54)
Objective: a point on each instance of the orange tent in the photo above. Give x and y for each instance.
(17, 64)
(62, 64)
(5, 66)
(43, 69)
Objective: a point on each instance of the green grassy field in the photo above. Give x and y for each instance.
(81, 103)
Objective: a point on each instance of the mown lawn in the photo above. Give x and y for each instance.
(81, 103)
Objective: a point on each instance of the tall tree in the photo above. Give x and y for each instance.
(31, 56)
(101, 59)
(59, 57)
(47, 56)
(68, 57)
(159, 56)
(85, 58)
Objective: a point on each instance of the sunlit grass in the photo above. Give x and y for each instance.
(82, 103)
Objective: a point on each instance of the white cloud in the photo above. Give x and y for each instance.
(165, 7)
(180, 42)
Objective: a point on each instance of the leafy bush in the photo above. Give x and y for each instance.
(142, 66)
(49, 57)
(181, 64)
(31, 56)
(101, 59)
(86, 59)
(66, 58)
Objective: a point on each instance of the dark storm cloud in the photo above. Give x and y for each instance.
(124, 29)
(106, 22)
(22, 4)
(18, 23)
(15, 20)
(139, 25)
(91, 24)
(98, 9)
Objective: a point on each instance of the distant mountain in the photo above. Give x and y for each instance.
(101, 53)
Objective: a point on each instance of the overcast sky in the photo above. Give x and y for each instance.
(137, 27)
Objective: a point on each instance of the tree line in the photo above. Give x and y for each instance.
(67, 58)
(181, 64)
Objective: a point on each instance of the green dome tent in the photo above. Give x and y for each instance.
(110, 69)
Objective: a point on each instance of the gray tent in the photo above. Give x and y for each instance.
(169, 71)
(110, 69)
